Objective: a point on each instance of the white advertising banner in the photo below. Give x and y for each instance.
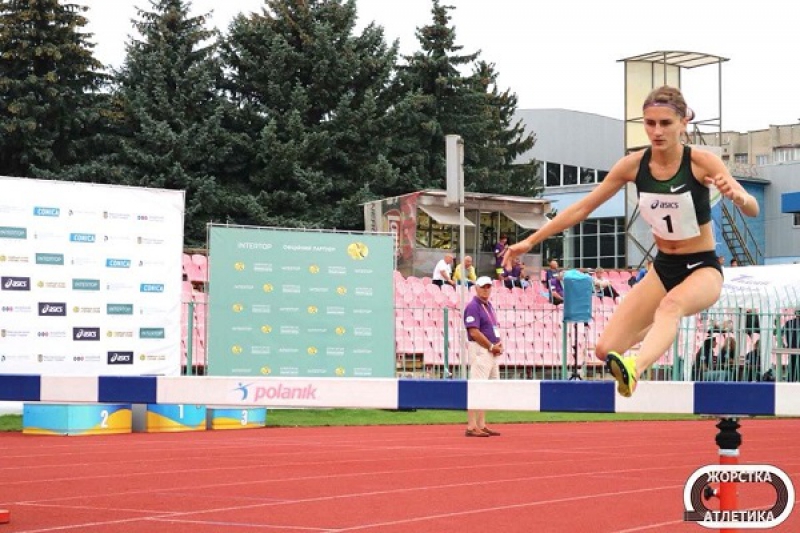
(90, 278)
(767, 288)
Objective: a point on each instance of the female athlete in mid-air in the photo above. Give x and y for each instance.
(673, 182)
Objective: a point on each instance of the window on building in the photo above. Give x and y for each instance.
(587, 175)
(796, 221)
(597, 242)
(601, 175)
(762, 160)
(570, 175)
(740, 158)
(431, 234)
(782, 155)
(553, 173)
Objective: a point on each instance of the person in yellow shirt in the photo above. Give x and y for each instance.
(470, 269)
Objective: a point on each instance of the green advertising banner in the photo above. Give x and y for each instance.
(295, 303)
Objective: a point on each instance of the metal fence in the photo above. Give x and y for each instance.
(725, 343)
(744, 337)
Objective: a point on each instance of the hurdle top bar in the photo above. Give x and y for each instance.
(699, 398)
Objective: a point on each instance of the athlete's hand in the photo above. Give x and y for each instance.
(515, 250)
(728, 187)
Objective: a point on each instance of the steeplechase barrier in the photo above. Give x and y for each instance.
(699, 398)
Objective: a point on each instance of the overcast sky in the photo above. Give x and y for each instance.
(564, 53)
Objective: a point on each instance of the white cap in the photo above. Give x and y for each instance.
(483, 281)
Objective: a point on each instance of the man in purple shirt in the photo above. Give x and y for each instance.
(483, 332)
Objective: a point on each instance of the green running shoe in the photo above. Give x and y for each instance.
(624, 371)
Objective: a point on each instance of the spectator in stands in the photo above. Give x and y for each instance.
(443, 271)
(752, 363)
(705, 359)
(483, 349)
(499, 252)
(734, 262)
(632, 272)
(728, 359)
(672, 182)
(712, 365)
(721, 260)
(603, 285)
(470, 268)
(791, 339)
(515, 276)
(552, 281)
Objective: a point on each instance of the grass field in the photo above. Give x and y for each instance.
(378, 417)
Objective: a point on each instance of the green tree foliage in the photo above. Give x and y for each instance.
(437, 99)
(50, 101)
(312, 98)
(170, 118)
(494, 164)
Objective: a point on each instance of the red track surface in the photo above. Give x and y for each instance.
(591, 477)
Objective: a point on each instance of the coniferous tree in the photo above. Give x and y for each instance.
(170, 116)
(312, 97)
(444, 101)
(494, 165)
(50, 82)
(437, 101)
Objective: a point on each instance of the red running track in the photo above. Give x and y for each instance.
(601, 477)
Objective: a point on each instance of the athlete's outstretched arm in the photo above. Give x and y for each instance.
(621, 173)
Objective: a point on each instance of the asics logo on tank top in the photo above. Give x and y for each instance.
(658, 204)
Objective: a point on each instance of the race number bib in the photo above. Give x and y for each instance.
(671, 216)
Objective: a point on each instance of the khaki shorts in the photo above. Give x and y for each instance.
(482, 364)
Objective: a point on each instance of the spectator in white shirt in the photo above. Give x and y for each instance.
(443, 272)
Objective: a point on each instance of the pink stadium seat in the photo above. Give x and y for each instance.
(188, 267)
(201, 262)
(192, 271)
(405, 343)
(186, 291)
